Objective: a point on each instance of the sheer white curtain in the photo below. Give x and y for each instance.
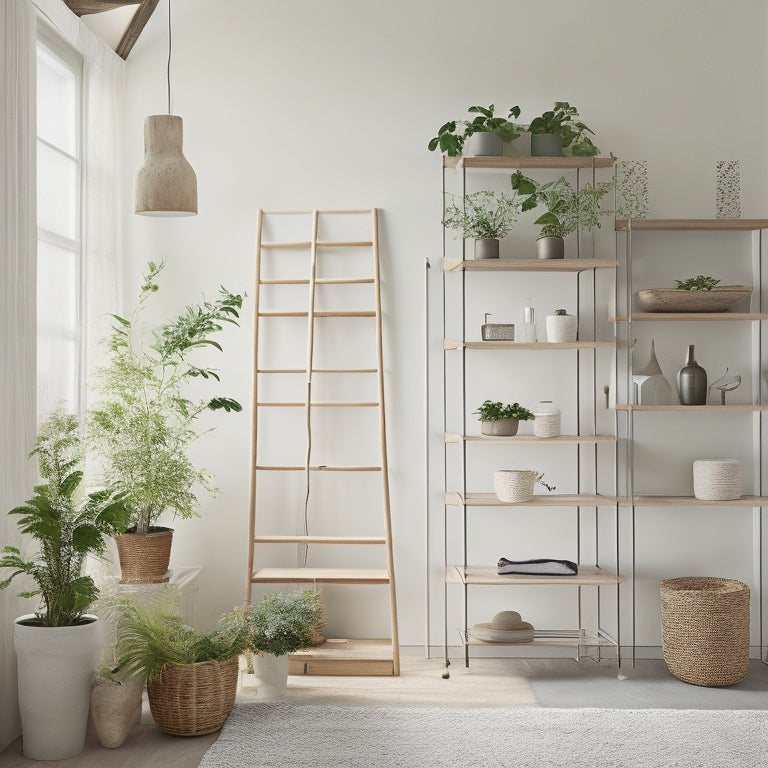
(18, 238)
(103, 76)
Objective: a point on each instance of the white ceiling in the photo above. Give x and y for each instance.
(110, 25)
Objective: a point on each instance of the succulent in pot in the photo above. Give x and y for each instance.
(143, 422)
(451, 138)
(559, 128)
(499, 419)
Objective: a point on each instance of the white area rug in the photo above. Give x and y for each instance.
(286, 735)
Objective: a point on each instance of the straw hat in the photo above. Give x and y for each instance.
(505, 627)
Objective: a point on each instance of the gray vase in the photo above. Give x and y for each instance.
(500, 427)
(486, 249)
(692, 382)
(546, 145)
(483, 143)
(550, 248)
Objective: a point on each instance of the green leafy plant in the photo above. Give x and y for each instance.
(144, 423)
(567, 208)
(563, 120)
(451, 138)
(147, 641)
(490, 411)
(482, 215)
(283, 622)
(698, 283)
(66, 526)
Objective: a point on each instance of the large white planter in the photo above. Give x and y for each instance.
(55, 665)
(270, 676)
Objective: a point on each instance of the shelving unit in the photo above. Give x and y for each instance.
(588, 506)
(633, 498)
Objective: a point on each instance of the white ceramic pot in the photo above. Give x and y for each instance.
(717, 479)
(270, 676)
(514, 485)
(547, 421)
(561, 327)
(55, 665)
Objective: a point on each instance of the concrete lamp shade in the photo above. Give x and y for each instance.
(165, 185)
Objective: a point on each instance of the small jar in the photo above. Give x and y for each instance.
(561, 327)
(547, 421)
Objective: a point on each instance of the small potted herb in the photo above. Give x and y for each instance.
(501, 420)
(484, 216)
(568, 209)
(698, 283)
(559, 128)
(489, 132)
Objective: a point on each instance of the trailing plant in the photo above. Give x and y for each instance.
(490, 411)
(563, 120)
(144, 422)
(66, 525)
(482, 215)
(698, 283)
(568, 209)
(540, 481)
(283, 622)
(450, 138)
(147, 641)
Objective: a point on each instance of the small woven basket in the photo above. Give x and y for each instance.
(514, 485)
(193, 699)
(144, 558)
(705, 629)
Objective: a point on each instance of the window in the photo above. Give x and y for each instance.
(59, 238)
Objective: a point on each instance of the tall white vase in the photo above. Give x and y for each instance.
(55, 665)
(270, 676)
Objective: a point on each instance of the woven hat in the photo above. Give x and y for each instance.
(505, 627)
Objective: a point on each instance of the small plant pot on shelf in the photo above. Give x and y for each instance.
(547, 421)
(717, 479)
(550, 248)
(144, 558)
(482, 144)
(514, 485)
(561, 327)
(500, 427)
(546, 145)
(487, 249)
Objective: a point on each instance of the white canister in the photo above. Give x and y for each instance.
(561, 327)
(547, 421)
(717, 479)
(514, 485)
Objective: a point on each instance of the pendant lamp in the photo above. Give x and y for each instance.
(165, 183)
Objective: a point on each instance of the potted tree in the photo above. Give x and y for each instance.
(144, 423)
(484, 216)
(501, 420)
(488, 132)
(58, 646)
(559, 128)
(567, 209)
(279, 624)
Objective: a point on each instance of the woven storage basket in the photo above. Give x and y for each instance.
(705, 629)
(193, 699)
(514, 485)
(144, 558)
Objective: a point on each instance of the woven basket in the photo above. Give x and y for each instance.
(705, 629)
(144, 558)
(193, 699)
(514, 485)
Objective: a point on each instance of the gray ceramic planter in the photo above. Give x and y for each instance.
(546, 145)
(500, 427)
(550, 247)
(486, 249)
(483, 144)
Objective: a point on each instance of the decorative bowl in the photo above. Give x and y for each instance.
(719, 299)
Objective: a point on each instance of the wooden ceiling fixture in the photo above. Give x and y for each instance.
(138, 22)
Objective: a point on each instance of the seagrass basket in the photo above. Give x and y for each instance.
(144, 558)
(193, 699)
(705, 629)
(514, 485)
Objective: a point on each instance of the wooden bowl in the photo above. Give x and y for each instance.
(719, 299)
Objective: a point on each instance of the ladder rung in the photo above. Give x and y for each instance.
(326, 575)
(319, 540)
(319, 405)
(319, 281)
(319, 313)
(317, 370)
(303, 244)
(326, 213)
(318, 468)
(322, 244)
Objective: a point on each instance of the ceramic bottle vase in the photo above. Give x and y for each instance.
(692, 382)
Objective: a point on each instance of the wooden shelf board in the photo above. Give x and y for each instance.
(527, 265)
(550, 500)
(688, 225)
(692, 501)
(320, 575)
(691, 408)
(455, 437)
(694, 317)
(503, 163)
(278, 539)
(344, 657)
(449, 344)
(487, 575)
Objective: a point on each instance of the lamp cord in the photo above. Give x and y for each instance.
(168, 68)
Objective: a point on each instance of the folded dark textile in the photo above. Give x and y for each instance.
(543, 567)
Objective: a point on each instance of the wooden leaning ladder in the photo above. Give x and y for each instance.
(359, 656)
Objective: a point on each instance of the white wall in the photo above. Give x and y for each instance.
(292, 104)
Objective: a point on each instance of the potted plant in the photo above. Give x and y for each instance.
(279, 624)
(488, 131)
(499, 419)
(567, 209)
(144, 423)
(559, 128)
(484, 216)
(191, 674)
(58, 646)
